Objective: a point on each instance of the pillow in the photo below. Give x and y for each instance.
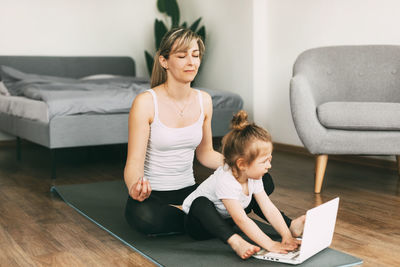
(3, 89)
(17, 81)
(13, 78)
(99, 76)
(115, 78)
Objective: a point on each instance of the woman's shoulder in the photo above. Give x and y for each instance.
(144, 98)
(207, 102)
(206, 96)
(142, 104)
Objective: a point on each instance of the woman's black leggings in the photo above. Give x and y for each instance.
(154, 216)
(204, 221)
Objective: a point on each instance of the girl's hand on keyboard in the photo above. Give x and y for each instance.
(279, 247)
(291, 242)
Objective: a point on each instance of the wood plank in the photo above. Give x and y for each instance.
(11, 253)
(38, 229)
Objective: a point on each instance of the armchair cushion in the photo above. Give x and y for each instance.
(373, 116)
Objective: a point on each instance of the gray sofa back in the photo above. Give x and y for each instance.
(368, 73)
(73, 67)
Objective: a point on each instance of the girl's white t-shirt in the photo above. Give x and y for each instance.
(223, 185)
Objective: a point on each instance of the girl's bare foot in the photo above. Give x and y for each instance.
(297, 226)
(243, 248)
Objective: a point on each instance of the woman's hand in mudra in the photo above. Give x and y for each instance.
(140, 190)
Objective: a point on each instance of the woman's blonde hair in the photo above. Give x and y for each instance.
(238, 142)
(182, 37)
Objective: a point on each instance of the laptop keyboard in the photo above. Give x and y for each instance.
(289, 255)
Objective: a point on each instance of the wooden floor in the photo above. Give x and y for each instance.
(38, 229)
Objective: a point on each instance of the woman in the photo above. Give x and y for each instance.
(167, 124)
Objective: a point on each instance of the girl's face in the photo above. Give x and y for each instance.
(262, 163)
(182, 66)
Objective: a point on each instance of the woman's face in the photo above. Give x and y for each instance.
(182, 66)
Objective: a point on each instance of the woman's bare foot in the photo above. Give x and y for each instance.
(297, 226)
(243, 248)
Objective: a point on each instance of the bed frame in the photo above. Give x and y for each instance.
(85, 129)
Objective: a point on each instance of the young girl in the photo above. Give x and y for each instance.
(226, 196)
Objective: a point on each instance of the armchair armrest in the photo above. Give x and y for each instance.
(304, 114)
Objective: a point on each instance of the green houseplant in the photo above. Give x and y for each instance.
(171, 9)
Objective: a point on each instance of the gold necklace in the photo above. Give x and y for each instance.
(180, 110)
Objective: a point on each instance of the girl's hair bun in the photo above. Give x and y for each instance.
(239, 120)
(238, 142)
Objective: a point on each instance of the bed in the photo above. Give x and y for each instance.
(29, 119)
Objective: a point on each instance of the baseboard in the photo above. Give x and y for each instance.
(8, 143)
(360, 160)
(13, 143)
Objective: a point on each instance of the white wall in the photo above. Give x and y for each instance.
(125, 27)
(292, 26)
(251, 45)
(228, 62)
(75, 27)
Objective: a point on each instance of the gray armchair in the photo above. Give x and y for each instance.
(346, 100)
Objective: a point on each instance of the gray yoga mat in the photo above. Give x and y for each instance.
(103, 203)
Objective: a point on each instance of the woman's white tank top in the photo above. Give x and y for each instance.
(170, 152)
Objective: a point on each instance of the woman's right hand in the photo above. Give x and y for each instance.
(140, 190)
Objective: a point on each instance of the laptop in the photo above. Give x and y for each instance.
(317, 235)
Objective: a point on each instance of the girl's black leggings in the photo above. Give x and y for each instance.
(204, 221)
(154, 216)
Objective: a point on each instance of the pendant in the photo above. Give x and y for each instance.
(181, 113)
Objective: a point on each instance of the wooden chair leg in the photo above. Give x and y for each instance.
(320, 166)
(398, 164)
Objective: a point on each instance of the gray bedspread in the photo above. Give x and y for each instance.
(67, 96)
(111, 97)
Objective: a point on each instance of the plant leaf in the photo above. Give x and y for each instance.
(161, 6)
(202, 33)
(149, 62)
(159, 31)
(195, 24)
(172, 9)
(184, 25)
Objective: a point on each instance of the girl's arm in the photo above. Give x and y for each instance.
(274, 216)
(251, 229)
(205, 152)
(140, 118)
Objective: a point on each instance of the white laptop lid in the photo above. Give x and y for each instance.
(319, 228)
